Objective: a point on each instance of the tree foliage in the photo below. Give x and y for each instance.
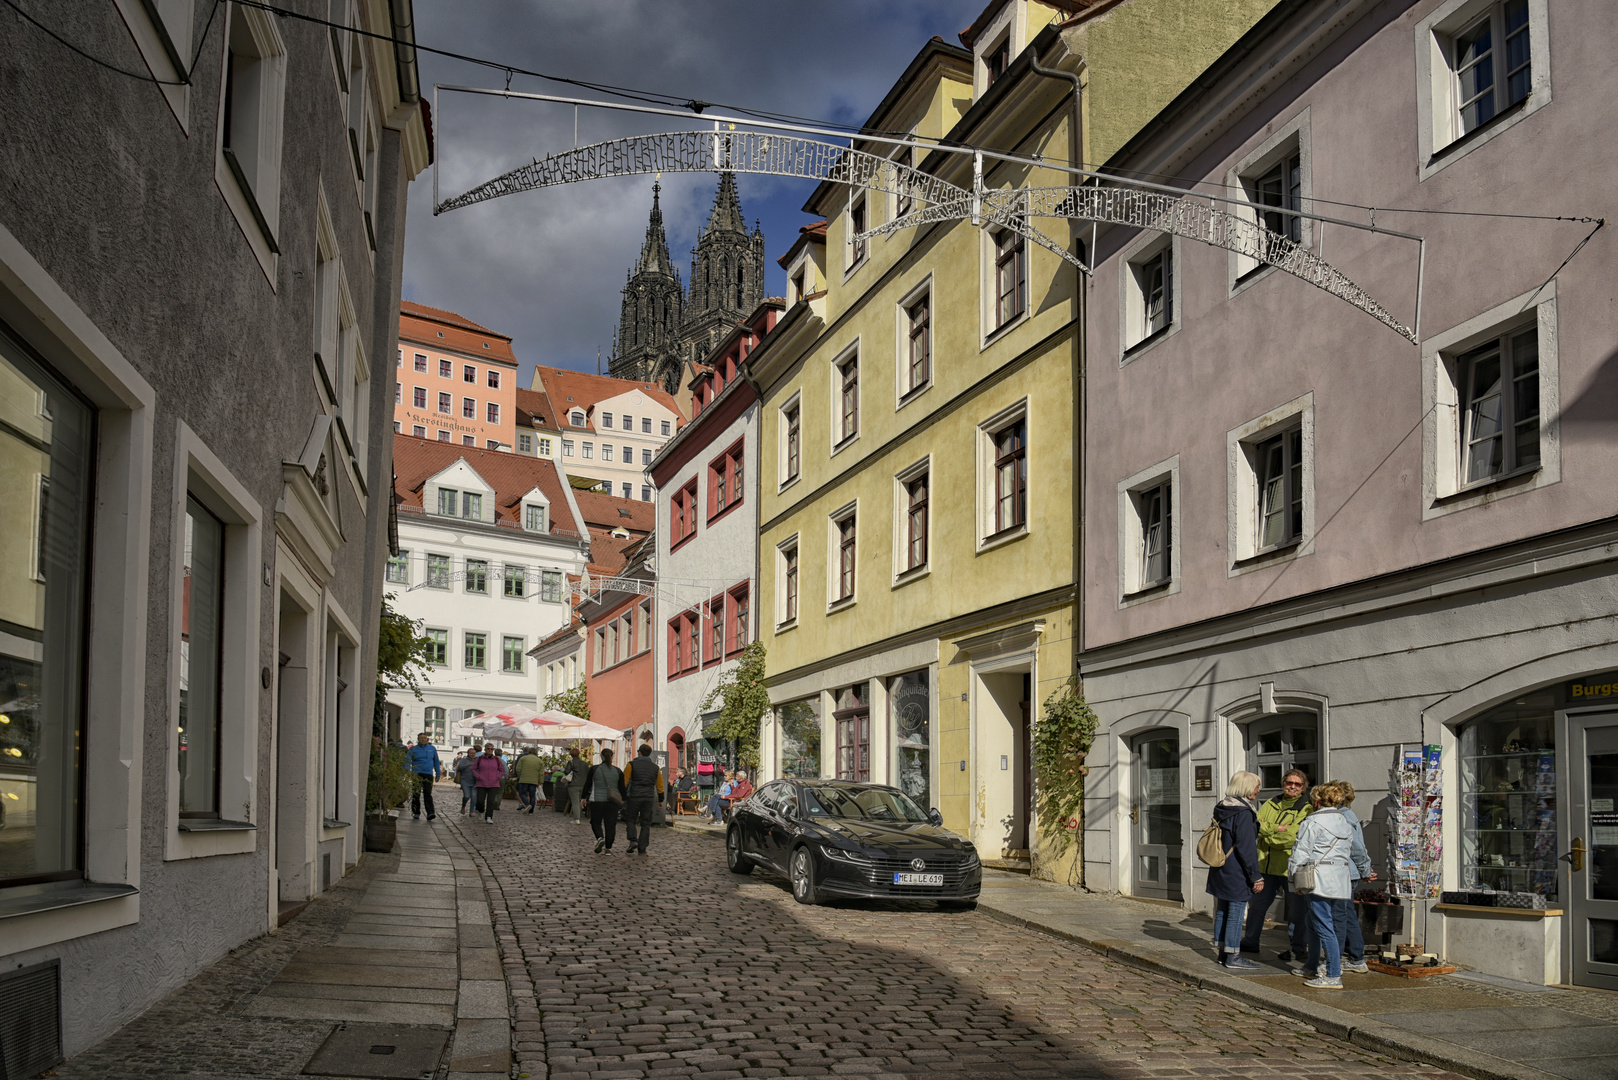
(743, 701)
(403, 651)
(1062, 739)
(574, 702)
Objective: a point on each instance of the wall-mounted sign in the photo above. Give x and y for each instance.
(1595, 688)
(1204, 777)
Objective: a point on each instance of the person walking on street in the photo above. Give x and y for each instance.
(488, 772)
(644, 783)
(529, 770)
(424, 769)
(1239, 878)
(463, 775)
(575, 773)
(605, 793)
(1278, 820)
(1324, 840)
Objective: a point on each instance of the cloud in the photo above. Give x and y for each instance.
(547, 266)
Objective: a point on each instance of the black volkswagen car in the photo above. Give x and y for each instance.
(842, 838)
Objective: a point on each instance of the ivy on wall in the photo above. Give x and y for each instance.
(574, 702)
(743, 700)
(1062, 739)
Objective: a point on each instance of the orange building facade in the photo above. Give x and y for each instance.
(455, 381)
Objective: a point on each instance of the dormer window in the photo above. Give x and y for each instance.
(533, 517)
(472, 506)
(448, 502)
(996, 60)
(576, 418)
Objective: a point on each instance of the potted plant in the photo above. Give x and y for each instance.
(387, 786)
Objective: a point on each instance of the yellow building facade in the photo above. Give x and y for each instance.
(917, 549)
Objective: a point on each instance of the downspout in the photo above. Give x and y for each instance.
(404, 50)
(1080, 391)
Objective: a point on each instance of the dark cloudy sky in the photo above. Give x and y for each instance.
(547, 266)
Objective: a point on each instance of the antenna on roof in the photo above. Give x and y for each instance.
(598, 359)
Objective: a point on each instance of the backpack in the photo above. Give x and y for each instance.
(1211, 845)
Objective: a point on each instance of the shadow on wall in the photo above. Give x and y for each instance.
(1596, 403)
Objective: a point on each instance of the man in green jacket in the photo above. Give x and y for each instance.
(1278, 820)
(529, 771)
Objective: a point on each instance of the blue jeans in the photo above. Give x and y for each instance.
(1275, 888)
(1323, 914)
(1350, 939)
(1228, 925)
(525, 794)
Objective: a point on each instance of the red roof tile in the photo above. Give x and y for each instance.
(580, 389)
(446, 330)
(537, 404)
(511, 475)
(610, 512)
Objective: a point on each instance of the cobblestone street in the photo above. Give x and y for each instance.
(668, 965)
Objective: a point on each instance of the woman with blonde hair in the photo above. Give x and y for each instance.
(1325, 839)
(1234, 882)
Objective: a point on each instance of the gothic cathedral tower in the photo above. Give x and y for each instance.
(660, 328)
(727, 274)
(648, 346)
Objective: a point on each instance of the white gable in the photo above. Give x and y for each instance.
(463, 480)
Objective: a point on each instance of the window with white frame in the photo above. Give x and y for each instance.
(472, 506)
(606, 419)
(448, 501)
(996, 59)
(846, 392)
(606, 451)
(201, 661)
(525, 444)
(915, 344)
(516, 581)
(418, 431)
(912, 508)
(437, 646)
(399, 568)
(665, 426)
(589, 449)
(445, 402)
(645, 455)
(1273, 184)
(844, 561)
(477, 576)
(1152, 278)
(629, 455)
(512, 651)
(533, 517)
(1148, 559)
(567, 448)
(420, 363)
(1497, 386)
(1009, 278)
(786, 568)
(791, 440)
(545, 448)
(646, 425)
(1482, 65)
(438, 571)
(476, 650)
(493, 378)
(858, 246)
(576, 418)
(435, 722)
(253, 95)
(550, 586)
(1272, 477)
(1002, 482)
(1153, 512)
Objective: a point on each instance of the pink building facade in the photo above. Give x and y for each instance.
(1311, 542)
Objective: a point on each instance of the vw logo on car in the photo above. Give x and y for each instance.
(841, 838)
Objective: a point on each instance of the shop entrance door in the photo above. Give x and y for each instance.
(1156, 815)
(1593, 861)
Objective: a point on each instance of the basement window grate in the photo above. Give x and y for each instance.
(30, 1019)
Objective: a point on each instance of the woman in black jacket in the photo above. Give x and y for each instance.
(1232, 884)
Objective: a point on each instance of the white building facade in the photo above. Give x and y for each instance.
(487, 542)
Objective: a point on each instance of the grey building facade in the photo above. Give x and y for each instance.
(201, 243)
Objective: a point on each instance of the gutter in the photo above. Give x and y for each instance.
(404, 50)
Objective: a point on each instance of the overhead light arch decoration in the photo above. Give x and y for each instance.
(1108, 201)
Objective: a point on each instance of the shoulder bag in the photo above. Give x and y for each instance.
(1303, 878)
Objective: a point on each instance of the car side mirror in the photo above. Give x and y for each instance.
(935, 817)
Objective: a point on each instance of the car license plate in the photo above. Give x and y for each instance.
(918, 879)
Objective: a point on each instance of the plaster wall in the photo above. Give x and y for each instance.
(113, 215)
(622, 696)
(459, 426)
(620, 472)
(1379, 432)
(721, 556)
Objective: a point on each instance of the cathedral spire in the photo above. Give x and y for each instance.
(727, 206)
(654, 251)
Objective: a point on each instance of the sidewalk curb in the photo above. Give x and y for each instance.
(1363, 1032)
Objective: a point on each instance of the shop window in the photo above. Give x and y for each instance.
(910, 710)
(436, 725)
(1278, 744)
(800, 738)
(45, 442)
(1508, 798)
(853, 720)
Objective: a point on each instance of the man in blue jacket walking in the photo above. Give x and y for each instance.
(425, 767)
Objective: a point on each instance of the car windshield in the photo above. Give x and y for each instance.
(866, 803)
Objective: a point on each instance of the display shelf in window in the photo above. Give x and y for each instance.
(1508, 798)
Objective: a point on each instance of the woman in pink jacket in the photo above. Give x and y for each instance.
(488, 772)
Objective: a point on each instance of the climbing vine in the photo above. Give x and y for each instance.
(574, 702)
(1062, 739)
(743, 700)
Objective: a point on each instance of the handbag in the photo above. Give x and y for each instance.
(1211, 845)
(614, 795)
(1303, 878)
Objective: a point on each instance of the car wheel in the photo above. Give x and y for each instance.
(804, 889)
(958, 905)
(738, 863)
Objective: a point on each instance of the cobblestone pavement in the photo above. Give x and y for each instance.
(199, 1032)
(669, 966)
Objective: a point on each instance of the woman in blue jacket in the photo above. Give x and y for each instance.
(1234, 883)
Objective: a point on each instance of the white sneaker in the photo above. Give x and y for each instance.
(1324, 982)
(1361, 968)
(1303, 972)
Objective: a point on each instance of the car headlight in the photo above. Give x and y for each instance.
(841, 855)
(971, 858)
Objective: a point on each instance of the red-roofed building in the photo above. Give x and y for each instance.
(488, 544)
(539, 433)
(610, 429)
(454, 380)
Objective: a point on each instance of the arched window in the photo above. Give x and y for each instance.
(738, 284)
(1279, 743)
